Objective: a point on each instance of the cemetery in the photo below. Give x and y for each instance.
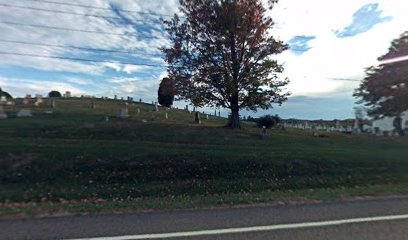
(125, 153)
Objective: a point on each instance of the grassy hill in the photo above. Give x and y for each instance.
(74, 160)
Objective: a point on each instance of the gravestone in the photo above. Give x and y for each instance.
(24, 113)
(39, 100)
(207, 117)
(123, 113)
(53, 103)
(263, 132)
(167, 116)
(27, 99)
(3, 100)
(93, 106)
(156, 107)
(138, 111)
(3, 114)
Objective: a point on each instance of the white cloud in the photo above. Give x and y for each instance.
(332, 57)
(21, 87)
(132, 41)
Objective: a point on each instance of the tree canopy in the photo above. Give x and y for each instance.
(385, 88)
(54, 94)
(5, 94)
(221, 55)
(166, 92)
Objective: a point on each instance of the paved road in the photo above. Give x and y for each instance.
(385, 218)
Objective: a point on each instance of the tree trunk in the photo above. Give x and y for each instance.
(235, 123)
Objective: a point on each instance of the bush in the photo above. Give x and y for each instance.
(268, 121)
(166, 92)
(54, 94)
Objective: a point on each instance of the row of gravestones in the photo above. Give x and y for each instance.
(195, 110)
(124, 113)
(21, 113)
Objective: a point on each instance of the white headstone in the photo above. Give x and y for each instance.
(24, 113)
(3, 115)
(167, 116)
(123, 113)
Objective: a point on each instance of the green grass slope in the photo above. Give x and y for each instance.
(74, 157)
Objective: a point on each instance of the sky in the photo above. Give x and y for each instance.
(331, 43)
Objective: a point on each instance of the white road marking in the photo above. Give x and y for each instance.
(251, 229)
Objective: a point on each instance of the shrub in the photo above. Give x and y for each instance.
(54, 94)
(268, 121)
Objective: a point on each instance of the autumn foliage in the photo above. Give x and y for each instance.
(221, 54)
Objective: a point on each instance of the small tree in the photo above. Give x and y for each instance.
(268, 121)
(166, 92)
(54, 94)
(397, 123)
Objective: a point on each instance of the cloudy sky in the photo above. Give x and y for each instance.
(331, 44)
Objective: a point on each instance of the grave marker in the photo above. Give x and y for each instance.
(123, 113)
(24, 113)
(3, 115)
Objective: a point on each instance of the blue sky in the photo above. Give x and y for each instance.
(329, 40)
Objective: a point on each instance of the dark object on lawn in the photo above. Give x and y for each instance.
(316, 134)
(267, 121)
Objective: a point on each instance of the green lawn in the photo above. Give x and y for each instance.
(75, 157)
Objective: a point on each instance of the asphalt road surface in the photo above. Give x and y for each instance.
(385, 218)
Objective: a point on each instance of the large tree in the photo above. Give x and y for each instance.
(221, 55)
(385, 88)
